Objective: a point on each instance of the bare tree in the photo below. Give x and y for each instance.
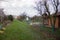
(41, 9)
(23, 16)
(55, 4)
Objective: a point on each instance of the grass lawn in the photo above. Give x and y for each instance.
(20, 31)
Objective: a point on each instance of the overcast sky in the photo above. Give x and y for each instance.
(16, 7)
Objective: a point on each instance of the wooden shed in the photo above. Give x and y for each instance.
(48, 23)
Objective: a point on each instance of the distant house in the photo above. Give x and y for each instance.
(48, 22)
(2, 15)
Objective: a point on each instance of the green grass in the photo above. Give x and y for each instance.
(19, 31)
(22, 31)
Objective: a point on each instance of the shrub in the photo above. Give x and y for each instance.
(10, 17)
